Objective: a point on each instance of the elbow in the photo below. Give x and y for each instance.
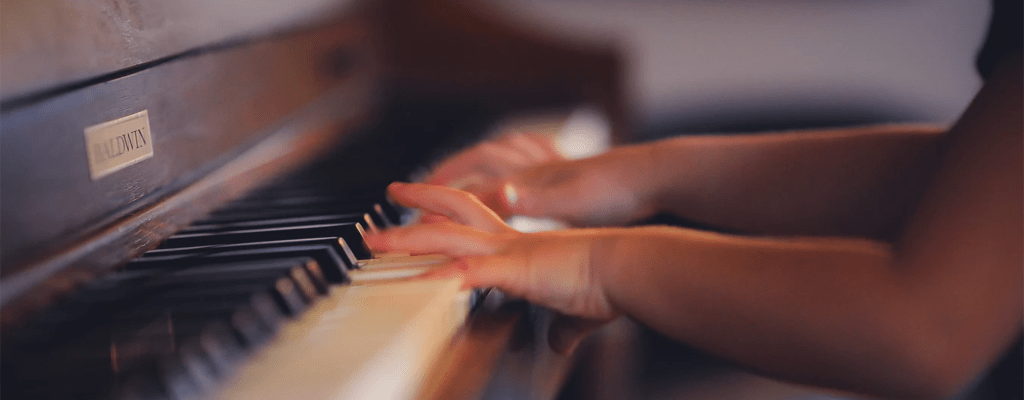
(936, 387)
(937, 372)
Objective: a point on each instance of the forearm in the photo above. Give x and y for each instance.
(825, 312)
(849, 182)
(919, 319)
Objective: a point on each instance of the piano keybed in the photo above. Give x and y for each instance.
(175, 321)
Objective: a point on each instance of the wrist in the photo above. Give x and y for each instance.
(647, 185)
(609, 250)
(632, 182)
(674, 175)
(622, 260)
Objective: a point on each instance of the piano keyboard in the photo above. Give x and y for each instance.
(273, 296)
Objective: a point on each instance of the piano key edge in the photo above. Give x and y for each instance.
(307, 134)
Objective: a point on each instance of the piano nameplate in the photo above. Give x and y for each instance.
(118, 144)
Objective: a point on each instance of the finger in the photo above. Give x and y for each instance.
(468, 268)
(431, 218)
(502, 158)
(526, 193)
(454, 167)
(467, 181)
(498, 272)
(447, 238)
(538, 148)
(457, 205)
(522, 199)
(449, 270)
(550, 146)
(566, 332)
(489, 193)
(488, 159)
(552, 191)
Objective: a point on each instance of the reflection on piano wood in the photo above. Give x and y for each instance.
(232, 260)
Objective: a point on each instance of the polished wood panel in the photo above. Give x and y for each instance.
(231, 114)
(51, 43)
(205, 112)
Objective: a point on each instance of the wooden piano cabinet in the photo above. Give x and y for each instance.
(236, 98)
(223, 121)
(500, 353)
(218, 94)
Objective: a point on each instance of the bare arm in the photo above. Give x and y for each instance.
(918, 319)
(850, 182)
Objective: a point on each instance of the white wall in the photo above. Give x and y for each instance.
(913, 57)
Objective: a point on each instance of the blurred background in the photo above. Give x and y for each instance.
(739, 65)
(725, 66)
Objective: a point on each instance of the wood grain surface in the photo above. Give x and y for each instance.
(49, 43)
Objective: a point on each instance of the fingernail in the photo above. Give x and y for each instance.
(397, 184)
(511, 195)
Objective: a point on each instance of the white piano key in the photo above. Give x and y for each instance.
(403, 261)
(382, 269)
(366, 341)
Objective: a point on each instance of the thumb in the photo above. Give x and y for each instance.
(522, 199)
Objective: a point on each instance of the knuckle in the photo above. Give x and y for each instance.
(488, 148)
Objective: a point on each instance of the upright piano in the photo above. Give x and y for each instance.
(185, 185)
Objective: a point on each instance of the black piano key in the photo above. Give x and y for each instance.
(237, 283)
(283, 290)
(353, 234)
(151, 329)
(89, 366)
(249, 327)
(307, 277)
(259, 235)
(220, 348)
(305, 211)
(188, 373)
(205, 347)
(328, 262)
(141, 386)
(186, 320)
(339, 246)
(244, 325)
(129, 342)
(262, 223)
(177, 381)
(255, 317)
(218, 309)
(206, 269)
(382, 218)
(159, 380)
(287, 284)
(259, 220)
(154, 270)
